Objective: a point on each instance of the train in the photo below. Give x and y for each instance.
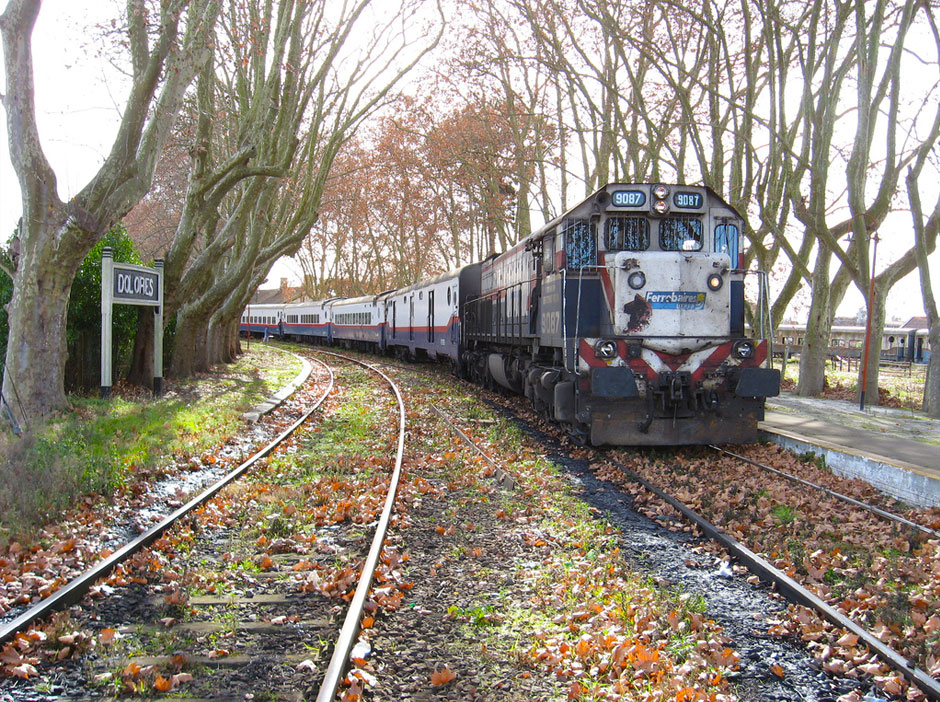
(909, 342)
(622, 320)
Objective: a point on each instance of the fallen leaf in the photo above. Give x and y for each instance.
(10, 656)
(177, 597)
(181, 678)
(442, 677)
(24, 671)
(848, 640)
(107, 636)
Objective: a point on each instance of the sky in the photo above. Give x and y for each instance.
(79, 98)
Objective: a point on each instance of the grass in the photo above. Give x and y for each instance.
(343, 437)
(783, 514)
(100, 446)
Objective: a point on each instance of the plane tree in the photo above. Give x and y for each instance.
(168, 44)
(926, 225)
(285, 92)
(842, 191)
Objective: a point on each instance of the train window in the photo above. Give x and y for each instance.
(548, 253)
(448, 296)
(726, 241)
(580, 244)
(627, 234)
(680, 234)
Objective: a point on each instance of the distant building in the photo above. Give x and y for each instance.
(284, 293)
(915, 323)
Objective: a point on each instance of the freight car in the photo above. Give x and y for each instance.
(622, 319)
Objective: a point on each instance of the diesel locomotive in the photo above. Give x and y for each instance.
(622, 319)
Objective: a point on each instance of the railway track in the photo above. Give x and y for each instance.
(268, 624)
(280, 598)
(78, 587)
(786, 580)
(794, 590)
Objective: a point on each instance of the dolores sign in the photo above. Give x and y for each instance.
(127, 284)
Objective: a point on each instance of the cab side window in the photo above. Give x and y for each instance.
(548, 253)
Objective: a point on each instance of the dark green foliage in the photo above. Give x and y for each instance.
(83, 335)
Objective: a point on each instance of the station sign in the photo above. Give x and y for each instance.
(127, 284)
(135, 285)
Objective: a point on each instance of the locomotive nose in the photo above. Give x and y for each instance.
(671, 300)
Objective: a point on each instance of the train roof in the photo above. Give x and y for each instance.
(591, 199)
(361, 300)
(443, 277)
(548, 226)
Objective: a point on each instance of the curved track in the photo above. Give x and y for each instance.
(351, 625)
(72, 592)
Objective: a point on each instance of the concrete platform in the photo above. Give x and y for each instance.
(895, 450)
(277, 398)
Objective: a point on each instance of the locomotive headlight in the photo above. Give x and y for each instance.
(715, 281)
(605, 349)
(744, 349)
(660, 192)
(660, 207)
(636, 280)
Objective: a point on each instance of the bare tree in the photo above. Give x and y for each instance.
(926, 230)
(168, 46)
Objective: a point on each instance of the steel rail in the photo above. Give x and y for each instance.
(72, 592)
(794, 591)
(504, 478)
(832, 493)
(351, 625)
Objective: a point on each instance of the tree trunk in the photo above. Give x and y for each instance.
(38, 311)
(229, 341)
(932, 386)
(874, 349)
(189, 350)
(55, 237)
(816, 342)
(215, 342)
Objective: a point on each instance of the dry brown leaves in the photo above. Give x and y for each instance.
(885, 577)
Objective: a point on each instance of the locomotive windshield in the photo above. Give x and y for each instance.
(580, 244)
(627, 234)
(680, 234)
